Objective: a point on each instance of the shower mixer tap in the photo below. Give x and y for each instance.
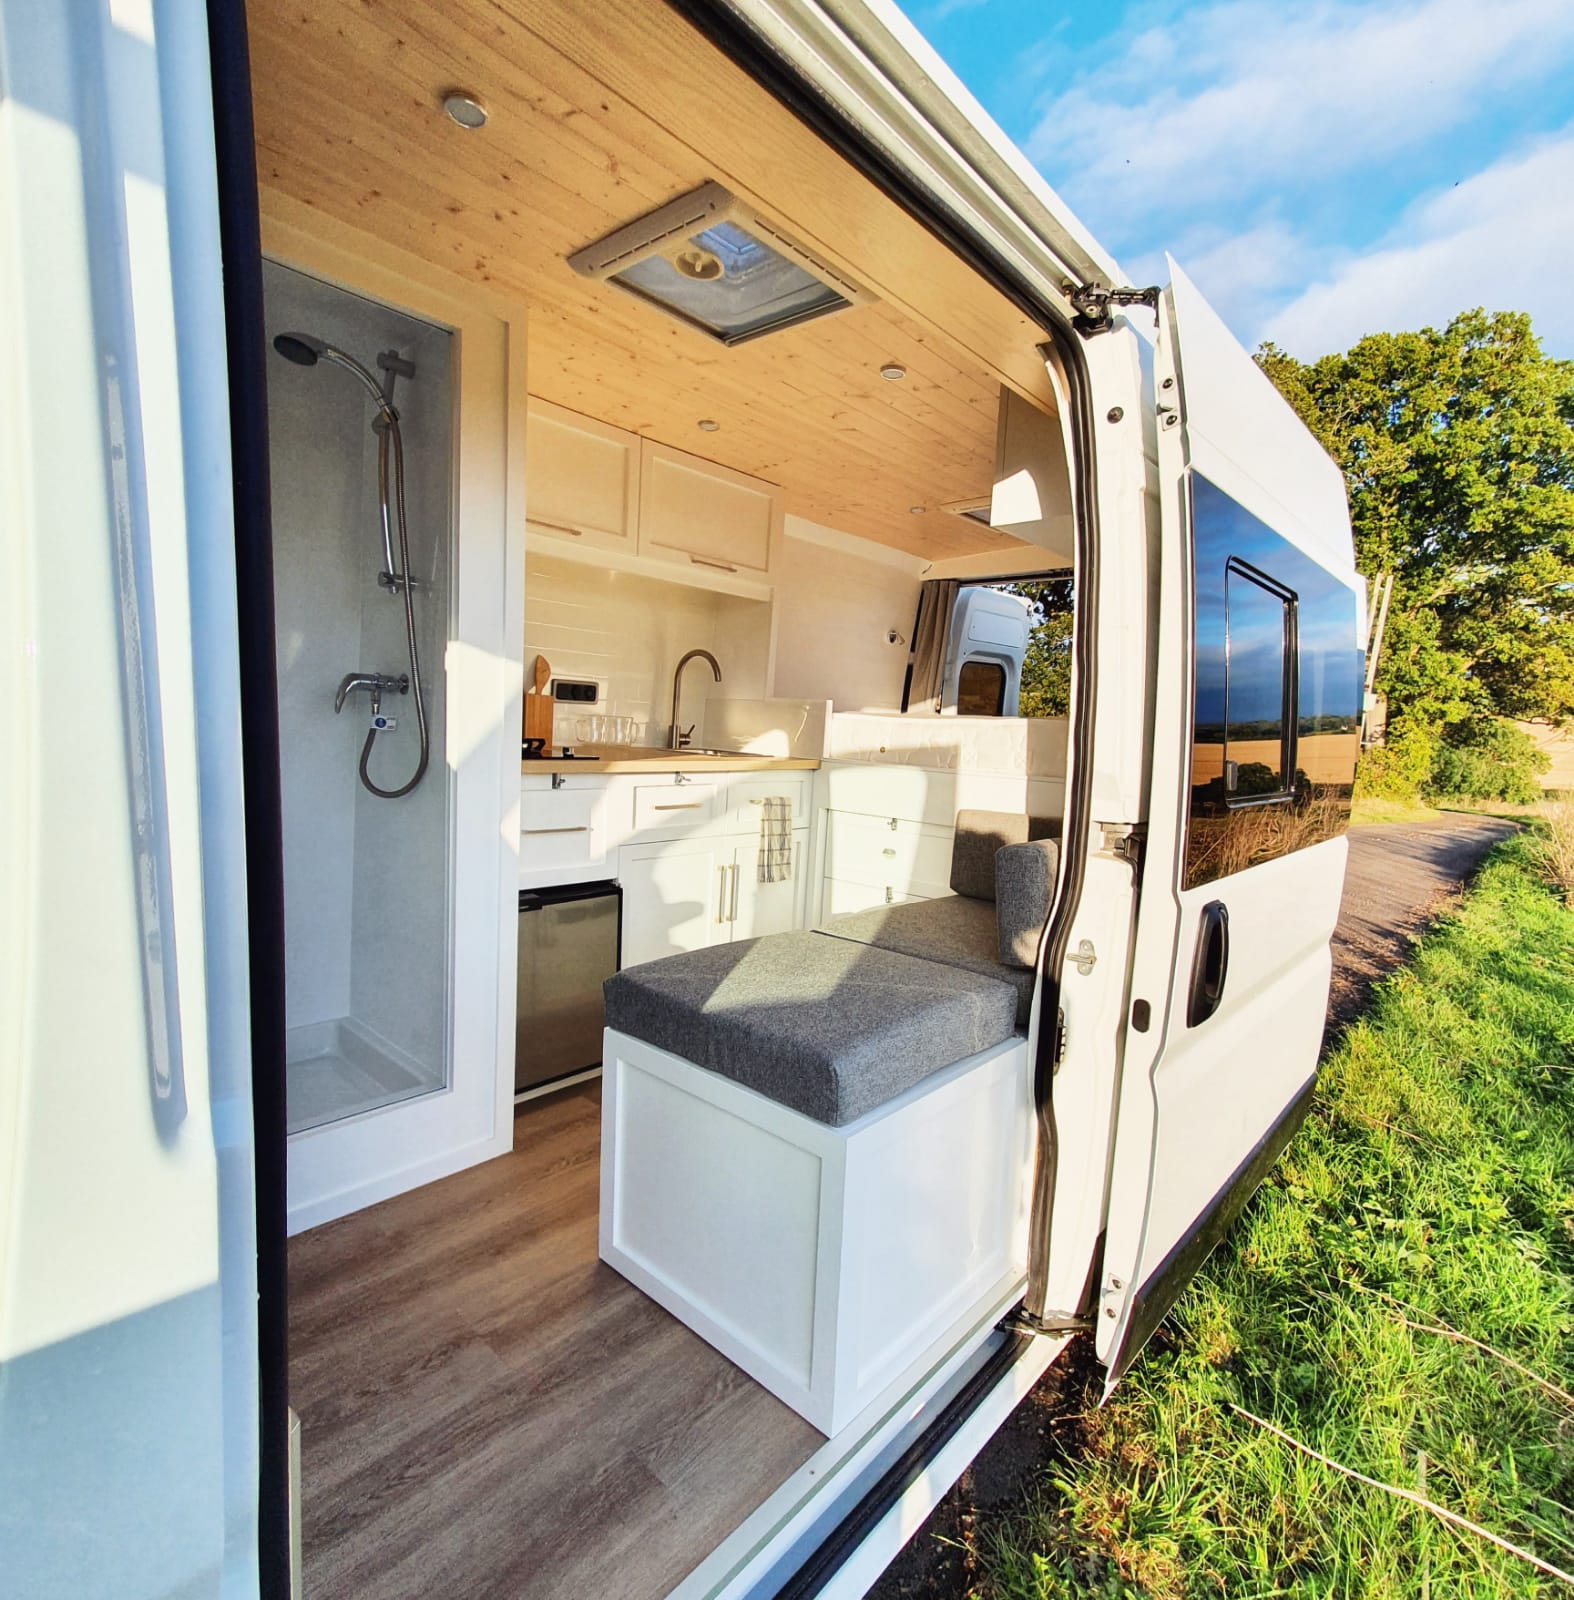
(376, 684)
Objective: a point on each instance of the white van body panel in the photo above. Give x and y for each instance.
(1242, 433)
(128, 1358)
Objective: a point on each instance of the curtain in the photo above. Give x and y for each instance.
(936, 602)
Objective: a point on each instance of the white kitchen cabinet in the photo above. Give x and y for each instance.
(581, 479)
(685, 894)
(756, 908)
(675, 897)
(700, 515)
(564, 832)
(840, 895)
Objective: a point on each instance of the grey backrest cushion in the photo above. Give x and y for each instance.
(1024, 882)
(979, 834)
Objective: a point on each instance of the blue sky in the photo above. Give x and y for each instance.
(1321, 169)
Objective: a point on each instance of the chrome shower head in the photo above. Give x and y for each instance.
(306, 350)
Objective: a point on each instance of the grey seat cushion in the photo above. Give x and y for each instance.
(979, 835)
(828, 1027)
(1024, 885)
(954, 930)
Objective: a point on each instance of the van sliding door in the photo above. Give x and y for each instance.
(128, 1289)
(1253, 762)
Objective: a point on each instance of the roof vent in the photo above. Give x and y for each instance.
(711, 261)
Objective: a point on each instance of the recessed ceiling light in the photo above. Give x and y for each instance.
(918, 511)
(464, 108)
(706, 425)
(893, 372)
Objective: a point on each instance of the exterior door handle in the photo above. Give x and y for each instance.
(1210, 964)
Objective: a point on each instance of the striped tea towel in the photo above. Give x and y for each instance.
(776, 839)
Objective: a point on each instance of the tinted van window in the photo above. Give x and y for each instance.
(1279, 675)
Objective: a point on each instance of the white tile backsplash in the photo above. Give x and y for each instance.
(628, 633)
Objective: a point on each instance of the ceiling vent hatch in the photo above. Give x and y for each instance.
(711, 261)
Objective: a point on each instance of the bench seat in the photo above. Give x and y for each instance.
(953, 931)
(829, 1027)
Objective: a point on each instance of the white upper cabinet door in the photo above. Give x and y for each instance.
(676, 897)
(704, 516)
(1262, 636)
(581, 479)
(756, 908)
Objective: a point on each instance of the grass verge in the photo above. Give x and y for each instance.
(1432, 1188)
(1373, 811)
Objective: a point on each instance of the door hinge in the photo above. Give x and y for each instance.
(1128, 841)
(1051, 1323)
(1059, 1053)
(1096, 303)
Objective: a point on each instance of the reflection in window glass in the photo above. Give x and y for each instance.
(980, 689)
(1258, 638)
(1275, 633)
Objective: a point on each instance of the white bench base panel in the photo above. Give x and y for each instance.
(823, 1261)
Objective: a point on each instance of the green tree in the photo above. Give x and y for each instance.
(1046, 668)
(1457, 445)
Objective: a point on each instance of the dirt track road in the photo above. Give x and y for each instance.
(1396, 882)
(1398, 879)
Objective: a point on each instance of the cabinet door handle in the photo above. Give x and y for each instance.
(687, 805)
(721, 893)
(888, 852)
(583, 828)
(732, 915)
(720, 566)
(556, 527)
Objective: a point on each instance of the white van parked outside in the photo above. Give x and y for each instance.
(655, 1159)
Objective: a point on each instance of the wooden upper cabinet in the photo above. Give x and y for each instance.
(581, 479)
(703, 516)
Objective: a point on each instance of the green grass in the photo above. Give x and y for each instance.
(1437, 1169)
(1372, 811)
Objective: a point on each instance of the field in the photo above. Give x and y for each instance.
(1399, 1298)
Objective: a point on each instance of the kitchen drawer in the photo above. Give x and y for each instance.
(744, 799)
(673, 807)
(840, 896)
(889, 852)
(560, 828)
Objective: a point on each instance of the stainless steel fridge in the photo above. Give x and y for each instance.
(570, 940)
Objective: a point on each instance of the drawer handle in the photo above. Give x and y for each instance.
(688, 805)
(556, 527)
(720, 566)
(583, 828)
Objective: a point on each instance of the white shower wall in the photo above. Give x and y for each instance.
(366, 879)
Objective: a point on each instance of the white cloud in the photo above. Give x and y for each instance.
(1502, 239)
(1245, 97)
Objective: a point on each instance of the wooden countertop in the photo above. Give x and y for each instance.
(629, 758)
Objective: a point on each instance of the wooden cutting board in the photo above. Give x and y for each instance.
(538, 703)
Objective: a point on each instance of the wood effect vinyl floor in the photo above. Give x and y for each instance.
(488, 1411)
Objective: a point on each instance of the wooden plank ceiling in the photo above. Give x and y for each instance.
(599, 111)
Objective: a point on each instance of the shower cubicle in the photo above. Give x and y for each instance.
(361, 422)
